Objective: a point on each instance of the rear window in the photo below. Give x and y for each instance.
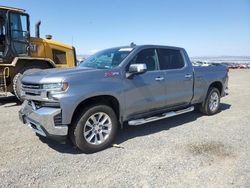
(59, 57)
(170, 59)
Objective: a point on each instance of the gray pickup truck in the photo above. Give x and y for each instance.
(130, 85)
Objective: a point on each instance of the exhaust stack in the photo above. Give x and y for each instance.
(37, 29)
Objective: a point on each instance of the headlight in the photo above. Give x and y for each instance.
(56, 87)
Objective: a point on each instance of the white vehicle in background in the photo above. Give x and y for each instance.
(199, 63)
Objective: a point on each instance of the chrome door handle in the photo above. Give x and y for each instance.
(159, 78)
(188, 76)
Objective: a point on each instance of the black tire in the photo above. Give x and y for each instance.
(78, 128)
(205, 107)
(17, 85)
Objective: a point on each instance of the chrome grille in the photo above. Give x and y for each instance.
(31, 89)
(31, 86)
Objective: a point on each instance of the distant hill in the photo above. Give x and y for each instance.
(222, 59)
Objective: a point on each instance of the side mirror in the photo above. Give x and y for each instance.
(135, 69)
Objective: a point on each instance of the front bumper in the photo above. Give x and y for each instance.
(42, 121)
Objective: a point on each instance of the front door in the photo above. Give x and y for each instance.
(145, 92)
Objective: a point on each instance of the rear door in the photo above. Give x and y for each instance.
(145, 92)
(179, 77)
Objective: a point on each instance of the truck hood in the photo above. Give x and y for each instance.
(55, 75)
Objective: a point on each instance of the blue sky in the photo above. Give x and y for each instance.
(203, 27)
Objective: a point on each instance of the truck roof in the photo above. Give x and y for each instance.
(158, 46)
(147, 46)
(12, 8)
(152, 46)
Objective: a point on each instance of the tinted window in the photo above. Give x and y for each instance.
(19, 32)
(148, 57)
(19, 26)
(59, 57)
(170, 59)
(2, 34)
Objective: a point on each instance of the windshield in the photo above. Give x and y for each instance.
(106, 59)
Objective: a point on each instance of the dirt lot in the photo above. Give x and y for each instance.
(190, 150)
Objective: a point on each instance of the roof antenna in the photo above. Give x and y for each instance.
(132, 44)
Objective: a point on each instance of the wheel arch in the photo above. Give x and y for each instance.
(22, 64)
(100, 99)
(216, 84)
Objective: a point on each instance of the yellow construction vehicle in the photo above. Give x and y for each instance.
(21, 54)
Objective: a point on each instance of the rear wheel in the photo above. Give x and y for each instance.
(94, 129)
(17, 85)
(211, 104)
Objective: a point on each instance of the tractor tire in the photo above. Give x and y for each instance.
(17, 85)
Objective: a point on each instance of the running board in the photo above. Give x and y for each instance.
(162, 116)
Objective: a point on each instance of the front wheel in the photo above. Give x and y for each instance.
(211, 104)
(95, 128)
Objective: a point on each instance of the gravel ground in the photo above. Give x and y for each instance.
(190, 150)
